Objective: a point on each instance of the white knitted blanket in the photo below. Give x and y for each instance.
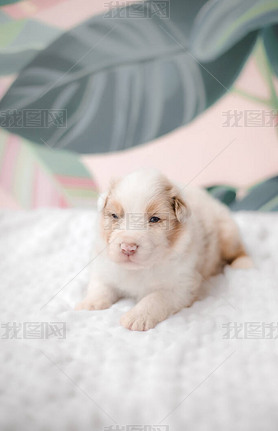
(211, 367)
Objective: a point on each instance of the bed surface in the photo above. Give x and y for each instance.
(188, 373)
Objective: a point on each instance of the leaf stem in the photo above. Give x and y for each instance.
(251, 96)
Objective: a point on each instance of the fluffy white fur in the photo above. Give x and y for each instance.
(160, 263)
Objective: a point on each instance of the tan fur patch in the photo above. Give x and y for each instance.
(166, 206)
(159, 207)
(113, 207)
(175, 231)
(108, 223)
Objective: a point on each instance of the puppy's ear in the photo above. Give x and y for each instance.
(180, 207)
(102, 200)
(103, 197)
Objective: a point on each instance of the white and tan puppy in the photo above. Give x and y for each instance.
(157, 244)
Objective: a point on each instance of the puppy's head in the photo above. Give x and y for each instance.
(142, 217)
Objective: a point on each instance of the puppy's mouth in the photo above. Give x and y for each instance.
(130, 261)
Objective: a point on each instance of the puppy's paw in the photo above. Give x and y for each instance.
(94, 304)
(136, 321)
(243, 262)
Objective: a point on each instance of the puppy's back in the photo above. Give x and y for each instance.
(218, 234)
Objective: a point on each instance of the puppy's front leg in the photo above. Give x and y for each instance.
(99, 297)
(154, 308)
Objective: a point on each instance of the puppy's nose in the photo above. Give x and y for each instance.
(128, 249)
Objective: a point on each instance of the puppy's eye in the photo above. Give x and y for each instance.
(114, 216)
(154, 219)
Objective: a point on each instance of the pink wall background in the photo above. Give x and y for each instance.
(187, 153)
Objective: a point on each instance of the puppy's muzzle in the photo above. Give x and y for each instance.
(128, 249)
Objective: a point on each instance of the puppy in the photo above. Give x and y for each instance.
(157, 243)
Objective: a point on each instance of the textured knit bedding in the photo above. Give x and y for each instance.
(213, 366)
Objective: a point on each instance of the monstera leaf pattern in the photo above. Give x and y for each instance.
(270, 38)
(36, 176)
(222, 23)
(125, 81)
(129, 76)
(20, 41)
